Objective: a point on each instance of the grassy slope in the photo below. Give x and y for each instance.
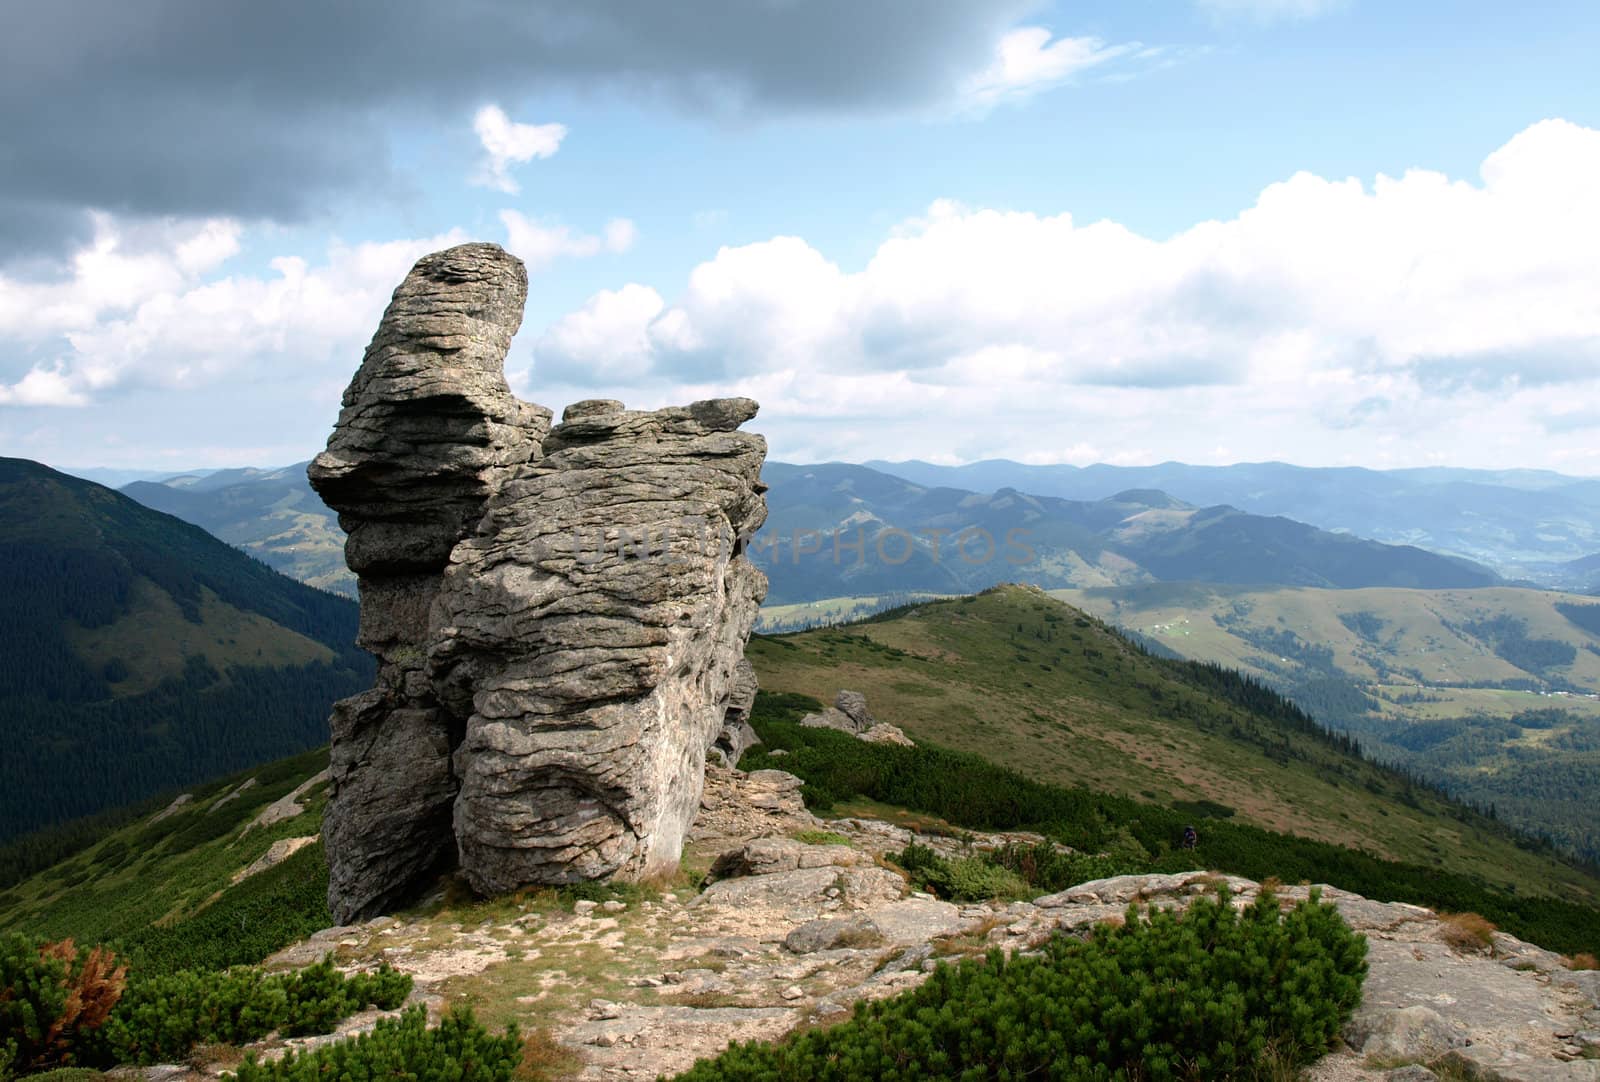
(1422, 637)
(1087, 709)
(167, 867)
(153, 639)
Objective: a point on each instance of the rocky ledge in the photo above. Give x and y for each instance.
(803, 919)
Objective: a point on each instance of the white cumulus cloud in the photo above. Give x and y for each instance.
(539, 244)
(507, 143)
(1401, 310)
(144, 308)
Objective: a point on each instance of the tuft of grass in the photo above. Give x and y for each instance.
(545, 1059)
(1584, 960)
(1466, 931)
(208, 1058)
(821, 837)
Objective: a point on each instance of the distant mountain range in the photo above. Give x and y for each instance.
(138, 652)
(838, 530)
(1526, 524)
(910, 536)
(274, 515)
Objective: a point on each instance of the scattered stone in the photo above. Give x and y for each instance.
(612, 905)
(851, 933)
(794, 991)
(583, 907)
(884, 733)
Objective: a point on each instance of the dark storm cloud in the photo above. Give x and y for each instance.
(271, 109)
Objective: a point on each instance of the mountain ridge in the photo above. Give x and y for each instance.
(150, 652)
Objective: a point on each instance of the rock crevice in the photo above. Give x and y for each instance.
(559, 614)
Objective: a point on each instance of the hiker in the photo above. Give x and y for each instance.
(1190, 838)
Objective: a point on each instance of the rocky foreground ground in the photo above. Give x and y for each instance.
(805, 920)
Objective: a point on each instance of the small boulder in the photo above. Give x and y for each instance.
(831, 719)
(884, 733)
(1416, 1072)
(1411, 1033)
(853, 705)
(841, 933)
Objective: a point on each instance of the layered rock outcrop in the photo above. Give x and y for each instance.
(559, 614)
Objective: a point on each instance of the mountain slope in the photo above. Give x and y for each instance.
(1494, 693)
(1026, 681)
(1521, 522)
(138, 652)
(838, 530)
(274, 515)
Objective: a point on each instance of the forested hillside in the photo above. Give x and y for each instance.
(137, 652)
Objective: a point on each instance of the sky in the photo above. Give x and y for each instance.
(1328, 232)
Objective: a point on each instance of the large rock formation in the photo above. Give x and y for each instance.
(559, 615)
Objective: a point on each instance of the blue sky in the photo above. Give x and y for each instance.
(1322, 231)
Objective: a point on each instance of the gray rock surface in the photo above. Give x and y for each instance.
(591, 631)
(737, 735)
(559, 615)
(1415, 1033)
(802, 932)
(831, 718)
(884, 733)
(853, 705)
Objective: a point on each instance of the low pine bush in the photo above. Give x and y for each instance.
(162, 1018)
(458, 1050)
(1210, 994)
(965, 879)
(49, 994)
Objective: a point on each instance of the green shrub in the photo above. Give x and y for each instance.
(51, 998)
(1047, 870)
(262, 914)
(1210, 994)
(965, 879)
(162, 1018)
(458, 1050)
